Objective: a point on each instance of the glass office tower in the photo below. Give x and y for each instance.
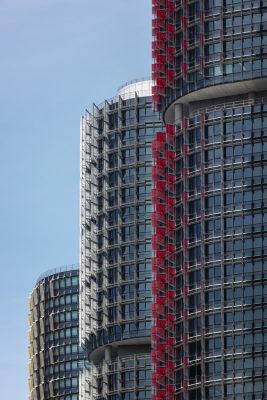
(54, 354)
(116, 242)
(209, 329)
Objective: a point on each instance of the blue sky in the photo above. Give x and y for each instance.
(57, 57)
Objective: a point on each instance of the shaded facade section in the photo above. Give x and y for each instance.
(116, 242)
(54, 354)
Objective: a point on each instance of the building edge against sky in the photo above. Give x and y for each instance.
(55, 358)
(115, 300)
(210, 82)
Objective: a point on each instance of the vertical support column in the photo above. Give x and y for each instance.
(184, 127)
(108, 350)
(185, 39)
(178, 113)
(160, 294)
(104, 270)
(170, 265)
(202, 270)
(119, 276)
(223, 394)
(202, 37)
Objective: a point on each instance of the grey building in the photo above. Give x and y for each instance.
(55, 357)
(116, 242)
(210, 83)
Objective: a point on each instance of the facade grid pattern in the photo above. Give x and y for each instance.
(116, 242)
(55, 358)
(216, 102)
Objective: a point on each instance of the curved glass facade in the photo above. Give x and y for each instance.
(198, 44)
(55, 356)
(221, 253)
(128, 378)
(116, 238)
(210, 83)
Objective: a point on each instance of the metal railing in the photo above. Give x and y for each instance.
(143, 79)
(58, 270)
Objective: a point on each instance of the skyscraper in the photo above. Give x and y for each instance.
(209, 221)
(54, 354)
(115, 295)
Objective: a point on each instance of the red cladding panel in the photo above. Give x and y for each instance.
(160, 348)
(171, 225)
(154, 90)
(161, 82)
(184, 68)
(158, 45)
(170, 342)
(186, 243)
(170, 154)
(171, 274)
(185, 314)
(185, 267)
(160, 231)
(186, 290)
(170, 28)
(153, 333)
(160, 35)
(153, 195)
(160, 324)
(160, 254)
(184, 22)
(170, 50)
(170, 201)
(170, 178)
(186, 196)
(170, 248)
(160, 58)
(170, 294)
(185, 149)
(161, 395)
(160, 208)
(185, 220)
(170, 4)
(171, 320)
(170, 366)
(185, 123)
(158, 90)
(185, 172)
(160, 136)
(160, 14)
(185, 338)
(162, 279)
(155, 24)
(161, 161)
(185, 385)
(170, 129)
(154, 219)
(184, 45)
(185, 361)
(156, 242)
(160, 146)
(161, 186)
(153, 359)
